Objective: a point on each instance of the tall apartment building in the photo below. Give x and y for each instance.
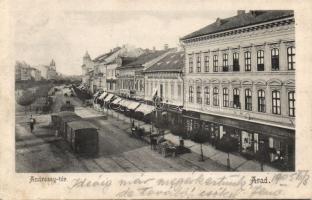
(240, 81)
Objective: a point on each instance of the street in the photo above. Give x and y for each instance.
(42, 151)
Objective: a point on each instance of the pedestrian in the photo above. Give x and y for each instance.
(32, 122)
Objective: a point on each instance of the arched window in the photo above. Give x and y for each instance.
(225, 97)
(191, 94)
(215, 96)
(276, 102)
(291, 103)
(207, 95)
(275, 59)
(291, 58)
(260, 60)
(261, 101)
(198, 95)
(236, 101)
(248, 99)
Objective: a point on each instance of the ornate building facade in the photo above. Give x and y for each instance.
(240, 80)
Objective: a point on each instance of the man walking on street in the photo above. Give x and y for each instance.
(32, 123)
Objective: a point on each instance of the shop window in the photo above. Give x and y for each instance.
(225, 62)
(225, 97)
(207, 95)
(198, 95)
(275, 59)
(260, 60)
(198, 62)
(191, 63)
(291, 103)
(236, 100)
(276, 102)
(206, 62)
(291, 58)
(261, 101)
(215, 96)
(248, 99)
(247, 61)
(191, 94)
(215, 63)
(235, 61)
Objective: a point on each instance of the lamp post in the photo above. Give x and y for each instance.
(261, 149)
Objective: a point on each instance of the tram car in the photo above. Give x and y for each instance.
(67, 107)
(83, 137)
(60, 120)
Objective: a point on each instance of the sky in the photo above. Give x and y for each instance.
(65, 31)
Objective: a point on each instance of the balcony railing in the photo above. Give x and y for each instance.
(229, 68)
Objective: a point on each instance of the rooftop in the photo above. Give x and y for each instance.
(172, 62)
(106, 55)
(241, 20)
(144, 58)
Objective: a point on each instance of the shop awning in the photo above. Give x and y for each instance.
(117, 100)
(133, 105)
(145, 109)
(96, 94)
(108, 97)
(102, 95)
(124, 103)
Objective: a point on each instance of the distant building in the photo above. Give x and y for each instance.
(22, 71)
(100, 73)
(35, 74)
(48, 72)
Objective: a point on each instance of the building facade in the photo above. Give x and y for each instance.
(100, 73)
(35, 74)
(48, 72)
(164, 80)
(131, 77)
(240, 81)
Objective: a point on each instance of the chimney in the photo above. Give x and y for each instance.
(154, 48)
(166, 46)
(240, 12)
(218, 21)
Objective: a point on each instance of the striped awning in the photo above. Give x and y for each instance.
(117, 100)
(108, 97)
(102, 95)
(96, 94)
(145, 109)
(124, 103)
(133, 105)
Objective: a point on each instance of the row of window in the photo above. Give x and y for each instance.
(247, 59)
(163, 91)
(235, 103)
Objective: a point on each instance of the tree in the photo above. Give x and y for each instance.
(200, 137)
(25, 98)
(228, 144)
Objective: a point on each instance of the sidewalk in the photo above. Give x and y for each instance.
(238, 163)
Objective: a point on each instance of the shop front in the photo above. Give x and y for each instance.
(267, 143)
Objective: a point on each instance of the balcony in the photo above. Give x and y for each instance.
(229, 68)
